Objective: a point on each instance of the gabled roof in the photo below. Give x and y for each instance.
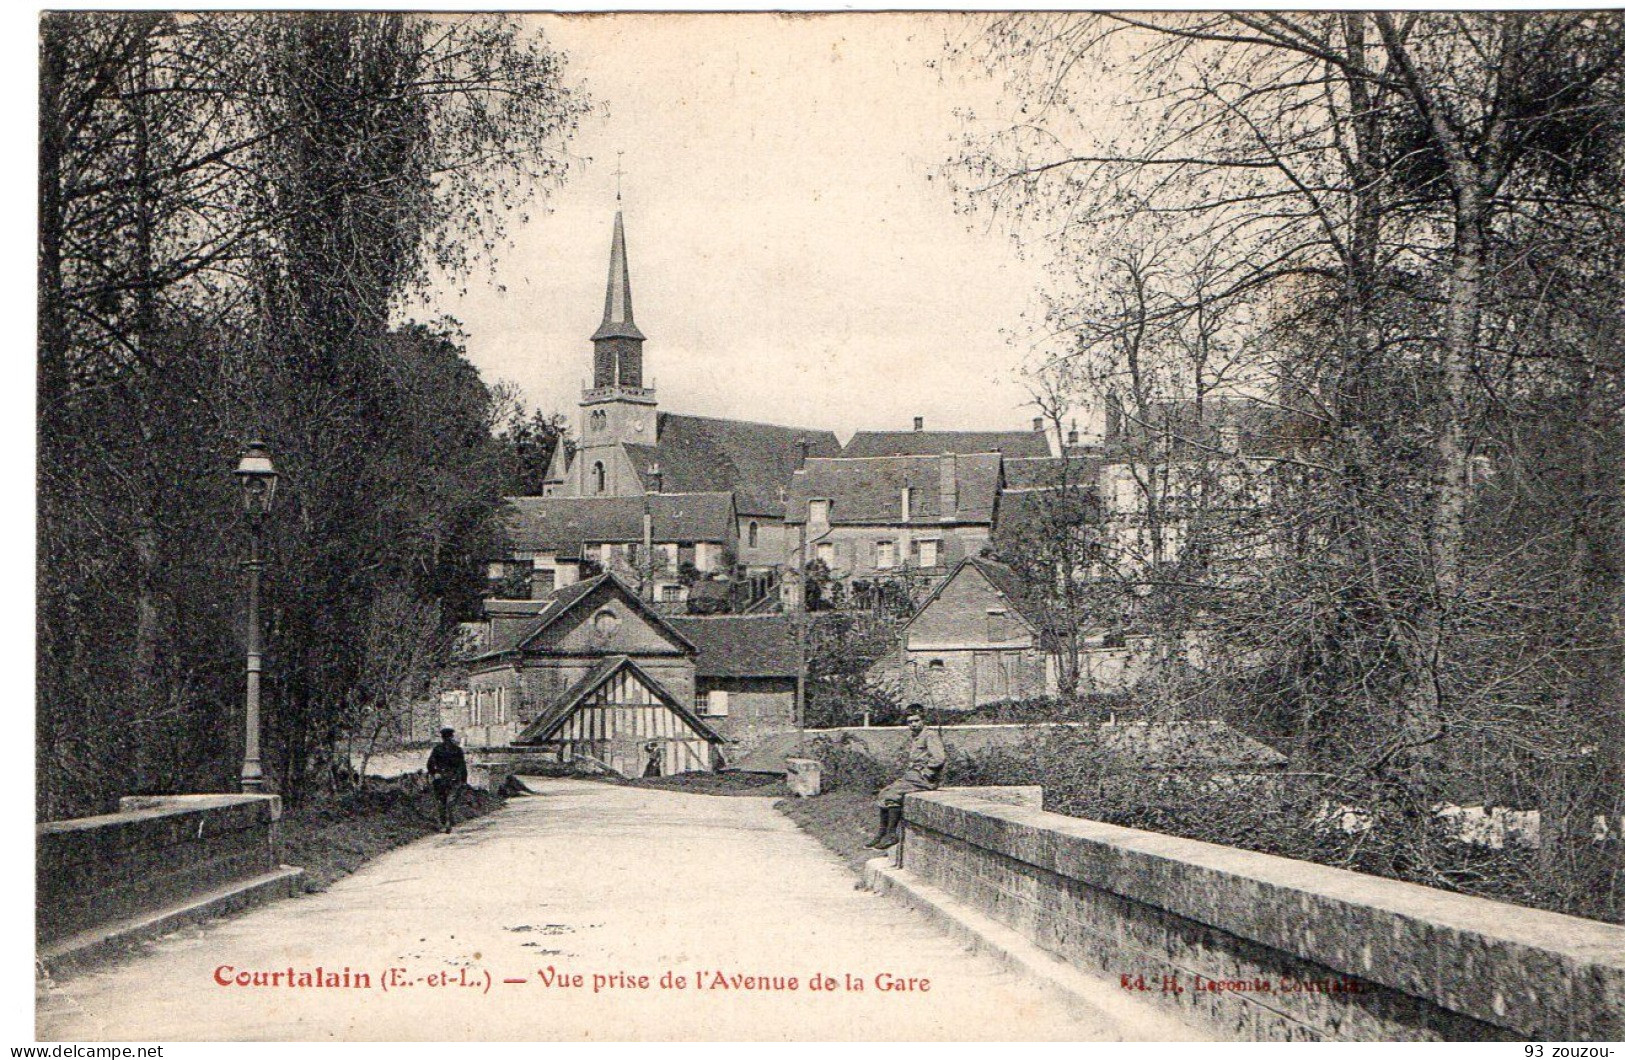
(868, 491)
(753, 461)
(743, 645)
(506, 636)
(1004, 581)
(554, 716)
(560, 602)
(563, 524)
(934, 443)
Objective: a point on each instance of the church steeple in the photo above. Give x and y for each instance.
(618, 344)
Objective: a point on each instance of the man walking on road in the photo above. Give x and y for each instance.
(448, 769)
(926, 757)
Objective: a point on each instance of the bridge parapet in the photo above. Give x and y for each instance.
(1268, 948)
(158, 861)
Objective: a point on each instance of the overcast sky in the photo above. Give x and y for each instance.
(791, 261)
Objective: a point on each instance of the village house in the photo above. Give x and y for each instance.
(546, 659)
(747, 675)
(977, 639)
(892, 516)
(591, 672)
(662, 544)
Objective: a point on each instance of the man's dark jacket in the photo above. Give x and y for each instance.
(447, 764)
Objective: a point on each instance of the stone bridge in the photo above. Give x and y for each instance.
(593, 911)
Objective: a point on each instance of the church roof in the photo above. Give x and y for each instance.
(617, 323)
(563, 524)
(932, 443)
(868, 492)
(743, 645)
(754, 461)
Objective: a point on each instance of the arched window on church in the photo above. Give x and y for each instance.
(751, 536)
(598, 477)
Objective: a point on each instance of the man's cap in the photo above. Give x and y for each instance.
(447, 732)
(916, 713)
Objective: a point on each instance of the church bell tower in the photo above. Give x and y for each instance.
(617, 408)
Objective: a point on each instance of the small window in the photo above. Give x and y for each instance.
(826, 553)
(671, 594)
(885, 555)
(928, 553)
(598, 477)
(818, 511)
(936, 666)
(716, 703)
(752, 534)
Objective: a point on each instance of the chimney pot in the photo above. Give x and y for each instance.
(919, 423)
(1072, 436)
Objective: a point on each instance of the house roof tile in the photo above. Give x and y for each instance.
(563, 524)
(868, 491)
(754, 461)
(743, 645)
(933, 443)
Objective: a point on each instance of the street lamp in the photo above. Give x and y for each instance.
(257, 476)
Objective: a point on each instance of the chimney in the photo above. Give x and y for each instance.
(919, 423)
(1038, 424)
(948, 487)
(1114, 418)
(646, 573)
(1072, 436)
(803, 445)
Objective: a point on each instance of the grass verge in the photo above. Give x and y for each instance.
(727, 783)
(332, 838)
(843, 820)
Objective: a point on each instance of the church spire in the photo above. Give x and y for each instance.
(617, 322)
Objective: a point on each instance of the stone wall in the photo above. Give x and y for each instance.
(1299, 951)
(156, 852)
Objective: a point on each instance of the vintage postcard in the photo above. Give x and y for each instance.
(871, 526)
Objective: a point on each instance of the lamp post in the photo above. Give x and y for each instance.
(257, 476)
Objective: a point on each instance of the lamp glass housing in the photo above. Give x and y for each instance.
(258, 477)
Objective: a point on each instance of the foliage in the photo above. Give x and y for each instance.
(1362, 468)
(234, 208)
(842, 685)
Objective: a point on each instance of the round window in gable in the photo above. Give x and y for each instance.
(605, 622)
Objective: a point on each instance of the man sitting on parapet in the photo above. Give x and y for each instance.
(926, 757)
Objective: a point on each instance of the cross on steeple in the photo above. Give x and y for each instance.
(619, 172)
